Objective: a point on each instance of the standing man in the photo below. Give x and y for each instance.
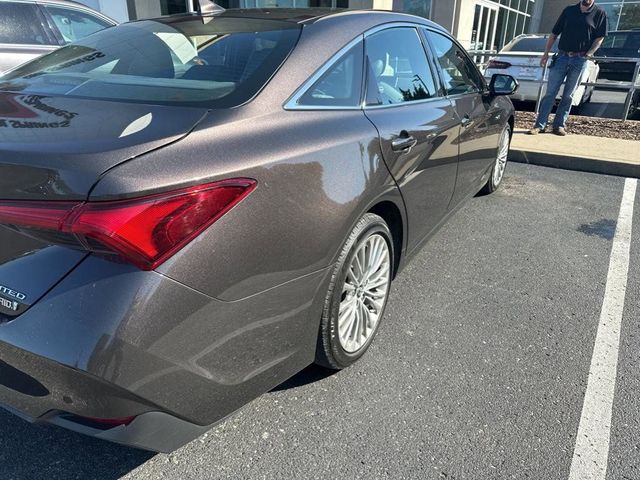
(582, 28)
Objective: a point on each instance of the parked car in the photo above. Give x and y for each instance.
(526, 69)
(30, 28)
(621, 44)
(192, 210)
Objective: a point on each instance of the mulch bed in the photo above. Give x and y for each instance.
(597, 127)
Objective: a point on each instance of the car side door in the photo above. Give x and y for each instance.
(481, 121)
(418, 126)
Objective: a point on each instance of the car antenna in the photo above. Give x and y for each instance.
(207, 7)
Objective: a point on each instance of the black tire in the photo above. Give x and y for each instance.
(491, 185)
(329, 352)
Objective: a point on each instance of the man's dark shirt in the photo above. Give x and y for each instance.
(579, 30)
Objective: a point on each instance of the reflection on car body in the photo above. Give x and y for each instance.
(30, 28)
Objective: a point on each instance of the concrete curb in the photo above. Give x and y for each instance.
(566, 162)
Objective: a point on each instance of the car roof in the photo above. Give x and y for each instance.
(307, 16)
(532, 35)
(69, 3)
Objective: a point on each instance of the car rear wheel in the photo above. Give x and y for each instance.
(497, 172)
(357, 294)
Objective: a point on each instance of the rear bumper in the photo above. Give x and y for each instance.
(528, 92)
(112, 342)
(40, 390)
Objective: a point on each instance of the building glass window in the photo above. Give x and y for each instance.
(283, 3)
(630, 16)
(421, 8)
(513, 19)
(623, 15)
(140, 9)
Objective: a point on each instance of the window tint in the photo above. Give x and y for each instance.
(20, 24)
(629, 40)
(74, 24)
(175, 60)
(529, 44)
(397, 68)
(460, 75)
(341, 85)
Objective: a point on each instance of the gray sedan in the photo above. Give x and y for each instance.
(30, 28)
(195, 208)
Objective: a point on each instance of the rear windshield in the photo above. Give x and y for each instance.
(623, 40)
(528, 44)
(222, 62)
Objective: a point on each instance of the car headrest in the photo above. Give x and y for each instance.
(378, 67)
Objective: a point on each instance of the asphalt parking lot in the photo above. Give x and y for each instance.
(479, 370)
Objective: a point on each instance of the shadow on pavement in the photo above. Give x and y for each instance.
(311, 374)
(40, 451)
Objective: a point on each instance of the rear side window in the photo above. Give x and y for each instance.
(529, 44)
(459, 73)
(397, 68)
(21, 25)
(176, 61)
(627, 40)
(74, 24)
(340, 85)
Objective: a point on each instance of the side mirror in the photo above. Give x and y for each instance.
(502, 84)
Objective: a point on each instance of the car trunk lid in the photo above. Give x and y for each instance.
(520, 67)
(54, 149)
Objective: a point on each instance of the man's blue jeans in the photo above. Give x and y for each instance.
(565, 68)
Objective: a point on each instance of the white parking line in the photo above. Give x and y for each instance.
(592, 442)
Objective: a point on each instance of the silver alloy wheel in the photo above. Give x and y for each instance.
(364, 293)
(501, 161)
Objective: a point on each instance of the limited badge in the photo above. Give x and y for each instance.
(7, 292)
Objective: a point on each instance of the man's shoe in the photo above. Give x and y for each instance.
(536, 131)
(560, 131)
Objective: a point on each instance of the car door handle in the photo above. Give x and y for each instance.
(403, 142)
(466, 120)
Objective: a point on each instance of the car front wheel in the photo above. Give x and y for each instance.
(357, 294)
(497, 172)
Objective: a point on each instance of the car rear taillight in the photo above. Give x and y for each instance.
(498, 65)
(146, 231)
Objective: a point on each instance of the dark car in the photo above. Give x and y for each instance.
(30, 28)
(195, 208)
(621, 44)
